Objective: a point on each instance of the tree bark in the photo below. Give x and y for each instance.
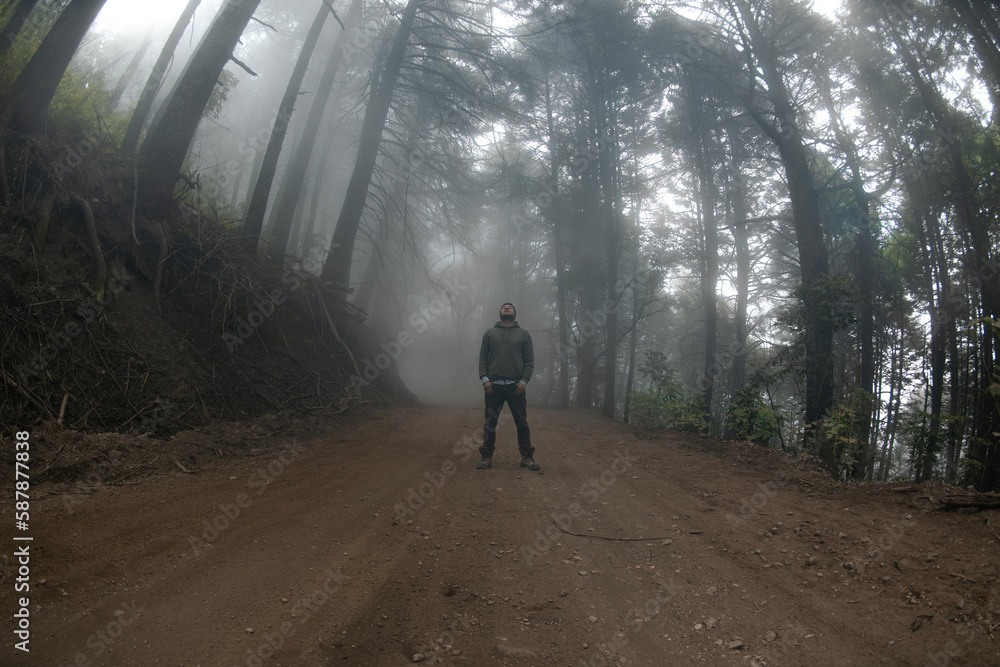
(155, 80)
(556, 220)
(986, 447)
(36, 84)
(813, 261)
(588, 269)
(608, 169)
(234, 195)
(925, 228)
(163, 152)
(337, 267)
(741, 240)
(710, 273)
(18, 18)
(865, 278)
(262, 187)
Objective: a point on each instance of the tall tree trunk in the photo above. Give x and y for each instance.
(877, 412)
(926, 459)
(985, 33)
(126, 77)
(865, 281)
(337, 267)
(155, 80)
(15, 23)
(897, 352)
(955, 424)
(295, 173)
(866, 336)
(262, 187)
(234, 195)
(612, 205)
(710, 273)
(557, 221)
(588, 268)
(741, 240)
(298, 221)
(369, 282)
(163, 152)
(813, 262)
(986, 451)
(258, 158)
(36, 84)
(634, 334)
(636, 236)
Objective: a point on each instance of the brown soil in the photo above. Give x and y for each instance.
(321, 551)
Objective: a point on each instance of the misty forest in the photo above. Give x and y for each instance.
(747, 219)
(751, 239)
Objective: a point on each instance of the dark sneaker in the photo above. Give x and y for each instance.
(485, 463)
(529, 463)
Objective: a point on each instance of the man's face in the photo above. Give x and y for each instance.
(506, 312)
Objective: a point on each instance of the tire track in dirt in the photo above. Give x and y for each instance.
(336, 561)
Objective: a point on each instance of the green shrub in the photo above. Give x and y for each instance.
(75, 107)
(666, 404)
(754, 419)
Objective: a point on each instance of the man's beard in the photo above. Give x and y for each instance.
(506, 317)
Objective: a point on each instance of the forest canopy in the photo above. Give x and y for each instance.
(771, 220)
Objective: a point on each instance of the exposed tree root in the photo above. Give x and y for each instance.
(333, 329)
(161, 260)
(95, 243)
(45, 205)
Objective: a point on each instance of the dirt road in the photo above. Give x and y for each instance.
(382, 545)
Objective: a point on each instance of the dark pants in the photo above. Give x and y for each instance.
(518, 408)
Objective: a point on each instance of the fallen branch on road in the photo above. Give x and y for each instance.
(977, 502)
(610, 539)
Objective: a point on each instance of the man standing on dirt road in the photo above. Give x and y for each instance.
(506, 361)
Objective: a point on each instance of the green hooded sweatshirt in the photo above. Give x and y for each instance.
(506, 354)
